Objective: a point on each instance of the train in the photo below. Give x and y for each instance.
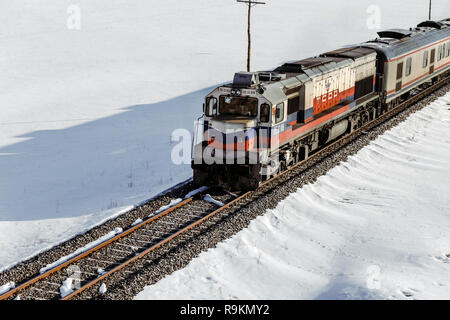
(264, 122)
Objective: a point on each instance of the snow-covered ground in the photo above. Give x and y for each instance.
(375, 227)
(87, 115)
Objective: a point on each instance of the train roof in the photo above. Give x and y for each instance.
(290, 76)
(354, 52)
(393, 43)
(326, 62)
(299, 72)
(311, 66)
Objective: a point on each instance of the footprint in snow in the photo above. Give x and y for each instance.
(407, 294)
(444, 258)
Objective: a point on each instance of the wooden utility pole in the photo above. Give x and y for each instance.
(250, 4)
(429, 12)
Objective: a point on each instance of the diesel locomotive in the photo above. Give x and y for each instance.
(264, 122)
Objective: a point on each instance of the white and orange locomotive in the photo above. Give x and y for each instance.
(264, 122)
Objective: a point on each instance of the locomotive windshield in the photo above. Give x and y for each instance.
(241, 106)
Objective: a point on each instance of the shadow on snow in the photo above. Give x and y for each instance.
(104, 164)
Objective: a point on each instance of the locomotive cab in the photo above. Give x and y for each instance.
(227, 147)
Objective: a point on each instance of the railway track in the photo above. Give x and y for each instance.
(138, 241)
(93, 265)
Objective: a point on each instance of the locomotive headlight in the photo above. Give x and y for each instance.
(236, 92)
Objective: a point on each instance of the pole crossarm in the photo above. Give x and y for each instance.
(251, 2)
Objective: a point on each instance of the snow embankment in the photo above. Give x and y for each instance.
(374, 227)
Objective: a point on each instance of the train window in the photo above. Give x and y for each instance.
(399, 70)
(448, 49)
(264, 113)
(425, 59)
(408, 67)
(238, 106)
(279, 112)
(211, 107)
(433, 53)
(439, 53)
(293, 105)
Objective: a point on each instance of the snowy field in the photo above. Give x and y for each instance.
(374, 227)
(87, 113)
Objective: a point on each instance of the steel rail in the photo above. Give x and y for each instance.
(154, 247)
(61, 266)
